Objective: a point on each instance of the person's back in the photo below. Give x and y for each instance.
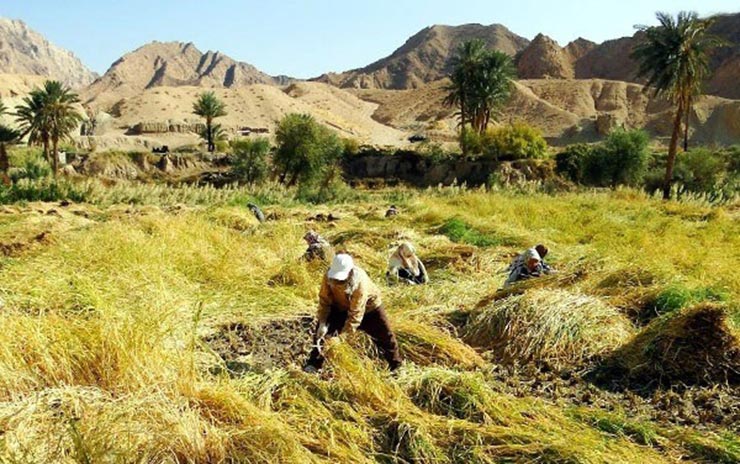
(318, 248)
(257, 212)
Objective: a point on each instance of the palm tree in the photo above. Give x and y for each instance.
(208, 106)
(48, 116)
(464, 64)
(32, 120)
(62, 116)
(7, 135)
(674, 58)
(493, 87)
(480, 84)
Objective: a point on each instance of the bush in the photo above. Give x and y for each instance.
(46, 189)
(250, 159)
(470, 141)
(622, 159)
(326, 187)
(34, 169)
(626, 156)
(515, 141)
(434, 151)
(570, 163)
(305, 148)
(351, 146)
(702, 170)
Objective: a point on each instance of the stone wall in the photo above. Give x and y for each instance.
(420, 171)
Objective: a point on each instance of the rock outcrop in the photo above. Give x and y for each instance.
(544, 58)
(25, 51)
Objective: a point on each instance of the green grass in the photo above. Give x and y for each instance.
(103, 355)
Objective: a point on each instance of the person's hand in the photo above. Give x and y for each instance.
(322, 330)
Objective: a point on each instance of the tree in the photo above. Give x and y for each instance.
(674, 58)
(250, 159)
(305, 148)
(208, 106)
(7, 136)
(33, 123)
(481, 83)
(48, 116)
(62, 116)
(464, 64)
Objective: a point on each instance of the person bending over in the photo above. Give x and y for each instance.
(349, 301)
(405, 266)
(528, 264)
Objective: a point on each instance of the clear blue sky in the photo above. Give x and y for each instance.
(309, 37)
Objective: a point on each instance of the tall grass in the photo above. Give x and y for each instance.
(104, 354)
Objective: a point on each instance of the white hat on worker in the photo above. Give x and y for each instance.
(341, 266)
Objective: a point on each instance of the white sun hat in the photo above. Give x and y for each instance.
(341, 266)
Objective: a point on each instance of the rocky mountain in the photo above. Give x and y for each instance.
(25, 51)
(610, 60)
(425, 57)
(172, 64)
(544, 58)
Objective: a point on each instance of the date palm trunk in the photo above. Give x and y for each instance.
(672, 149)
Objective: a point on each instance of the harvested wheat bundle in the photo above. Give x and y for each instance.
(427, 345)
(555, 327)
(692, 346)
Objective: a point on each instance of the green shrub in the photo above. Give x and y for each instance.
(434, 151)
(34, 169)
(46, 189)
(326, 187)
(304, 149)
(627, 156)
(351, 146)
(250, 159)
(571, 162)
(702, 170)
(515, 141)
(470, 141)
(622, 159)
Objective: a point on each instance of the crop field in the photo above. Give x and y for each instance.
(165, 324)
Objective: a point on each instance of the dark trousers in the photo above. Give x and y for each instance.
(375, 324)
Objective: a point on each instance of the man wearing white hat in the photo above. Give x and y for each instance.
(350, 301)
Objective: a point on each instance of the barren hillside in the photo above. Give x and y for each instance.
(171, 64)
(257, 106)
(563, 109)
(25, 51)
(425, 57)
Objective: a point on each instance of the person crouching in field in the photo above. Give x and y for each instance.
(318, 248)
(405, 266)
(528, 264)
(349, 301)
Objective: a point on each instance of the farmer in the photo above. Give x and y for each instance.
(318, 248)
(350, 301)
(528, 264)
(256, 211)
(405, 266)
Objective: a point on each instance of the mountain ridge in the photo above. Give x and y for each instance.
(25, 51)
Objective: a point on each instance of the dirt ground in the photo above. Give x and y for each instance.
(284, 343)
